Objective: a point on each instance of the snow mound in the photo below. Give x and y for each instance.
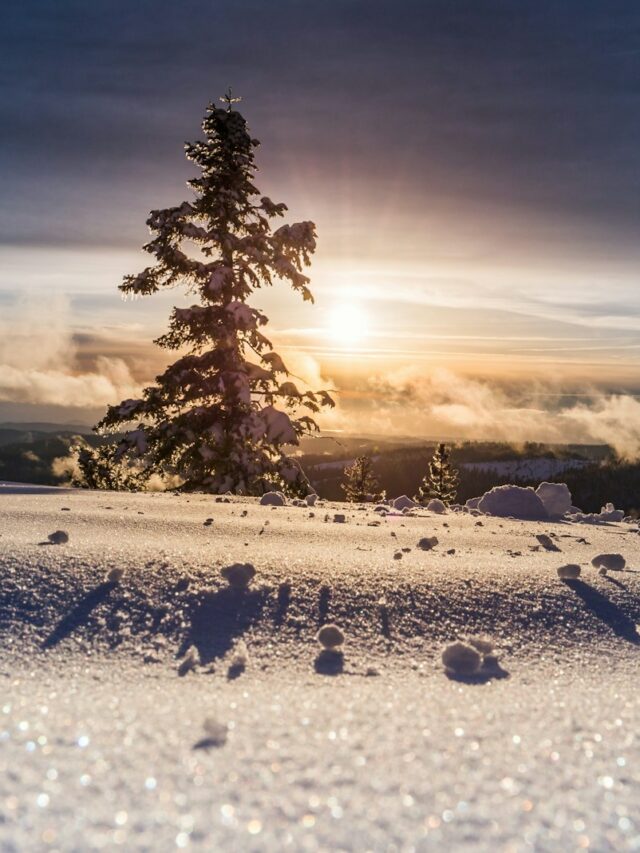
(556, 498)
(273, 499)
(611, 562)
(311, 499)
(403, 502)
(513, 502)
(472, 503)
(436, 505)
(570, 572)
(606, 514)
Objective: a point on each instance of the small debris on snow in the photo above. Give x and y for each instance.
(428, 542)
(546, 542)
(397, 555)
(114, 575)
(58, 537)
(273, 499)
(238, 575)
(570, 572)
(483, 644)
(339, 518)
(215, 734)
(239, 660)
(207, 522)
(189, 661)
(611, 562)
(330, 637)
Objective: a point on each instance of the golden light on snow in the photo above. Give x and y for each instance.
(348, 324)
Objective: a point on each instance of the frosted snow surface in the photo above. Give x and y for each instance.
(106, 746)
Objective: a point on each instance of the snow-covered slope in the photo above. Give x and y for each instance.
(105, 743)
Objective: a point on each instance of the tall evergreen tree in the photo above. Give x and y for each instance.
(441, 479)
(216, 417)
(360, 483)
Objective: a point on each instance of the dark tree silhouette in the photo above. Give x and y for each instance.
(216, 418)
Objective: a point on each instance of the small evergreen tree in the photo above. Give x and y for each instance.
(441, 479)
(360, 483)
(214, 417)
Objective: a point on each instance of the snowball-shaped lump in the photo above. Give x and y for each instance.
(330, 637)
(570, 572)
(461, 658)
(556, 498)
(612, 562)
(403, 502)
(58, 537)
(273, 499)
(238, 575)
(436, 505)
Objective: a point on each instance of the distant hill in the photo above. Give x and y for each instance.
(44, 426)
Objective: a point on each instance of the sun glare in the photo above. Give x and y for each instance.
(348, 324)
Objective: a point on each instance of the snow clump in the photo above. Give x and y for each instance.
(114, 575)
(273, 499)
(556, 498)
(311, 499)
(238, 575)
(58, 537)
(436, 505)
(611, 562)
(330, 637)
(570, 572)
(514, 502)
(461, 658)
(403, 502)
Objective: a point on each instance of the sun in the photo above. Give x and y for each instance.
(348, 324)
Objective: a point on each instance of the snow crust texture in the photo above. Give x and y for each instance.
(177, 709)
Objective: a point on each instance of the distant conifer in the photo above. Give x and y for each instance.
(360, 483)
(441, 479)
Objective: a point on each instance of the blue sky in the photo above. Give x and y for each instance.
(473, 170)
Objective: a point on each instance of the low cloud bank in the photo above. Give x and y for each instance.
(40, 364)
(39, 361)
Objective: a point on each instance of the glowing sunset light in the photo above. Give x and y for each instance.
(348, 325)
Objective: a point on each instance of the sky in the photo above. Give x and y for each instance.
(473, 169)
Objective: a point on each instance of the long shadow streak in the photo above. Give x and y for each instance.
(606, 610)
(79, 614)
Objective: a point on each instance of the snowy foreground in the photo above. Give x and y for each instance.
(163, 709)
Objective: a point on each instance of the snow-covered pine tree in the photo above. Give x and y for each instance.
(360, 483)
(215, 417)
(441, 479)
